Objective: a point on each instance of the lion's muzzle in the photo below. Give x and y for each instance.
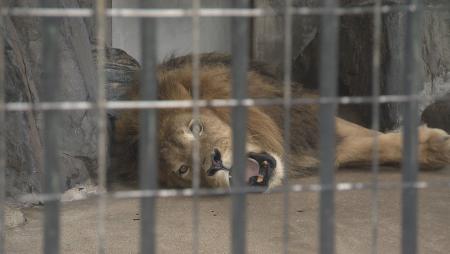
(216, 163)
(259, 168)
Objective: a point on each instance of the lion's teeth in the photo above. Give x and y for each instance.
(260, 179)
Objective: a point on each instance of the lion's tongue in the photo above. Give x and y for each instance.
(252, 168)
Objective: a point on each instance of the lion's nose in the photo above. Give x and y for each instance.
(216, 163)
(216, 155)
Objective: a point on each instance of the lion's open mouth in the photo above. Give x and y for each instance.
(259, 167)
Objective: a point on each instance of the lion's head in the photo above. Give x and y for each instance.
(177, 127)
(177, 134)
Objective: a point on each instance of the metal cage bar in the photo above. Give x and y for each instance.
(148, 142)
(328, 86)
(3, 154)
(375, 125)
(240, 54)
(50, 83)
(210, 12)
(165, 193)
(169, 104)
(410, 138)
(100, 9)
(196, 5)
(149, 117)
(287, 97)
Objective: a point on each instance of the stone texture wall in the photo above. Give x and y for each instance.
(23, 59)
(355, 53)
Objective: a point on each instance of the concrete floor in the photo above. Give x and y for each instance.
(265, 223)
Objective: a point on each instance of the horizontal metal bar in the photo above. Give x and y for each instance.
(168, 104)
(209, 12)
(164, 193)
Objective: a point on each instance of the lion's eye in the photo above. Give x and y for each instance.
(196, 127)
(183, 169)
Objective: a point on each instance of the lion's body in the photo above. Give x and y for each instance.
(265, 126)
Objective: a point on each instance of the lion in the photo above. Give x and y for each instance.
(264, 145)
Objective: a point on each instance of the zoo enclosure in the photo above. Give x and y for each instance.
(241, 15)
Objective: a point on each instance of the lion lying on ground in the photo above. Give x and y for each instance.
(264, 132)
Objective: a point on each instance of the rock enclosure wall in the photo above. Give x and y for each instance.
(24, 130)
(355, 53)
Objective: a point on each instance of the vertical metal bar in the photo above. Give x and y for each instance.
(376, 58)
(148, 142)
(195, 116)
(50, 83)
(2, 138)
(328, 83)
(411, 121)
(100, 11)
(287, 103)
(240, 55)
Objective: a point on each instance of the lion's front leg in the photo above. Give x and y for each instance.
(433, 148)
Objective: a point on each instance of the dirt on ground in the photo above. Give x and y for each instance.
(358, 227)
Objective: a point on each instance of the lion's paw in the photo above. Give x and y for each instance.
(434, 147)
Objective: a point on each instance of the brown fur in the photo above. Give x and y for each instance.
(265, 124)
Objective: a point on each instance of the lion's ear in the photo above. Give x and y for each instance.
(196, 126)
(174, 90)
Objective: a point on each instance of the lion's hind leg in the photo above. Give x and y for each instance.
(358, 149)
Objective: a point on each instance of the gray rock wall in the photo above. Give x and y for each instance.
(355, 53)
(23, 58)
